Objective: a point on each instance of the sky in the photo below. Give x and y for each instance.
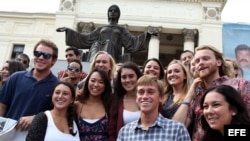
(236, 11)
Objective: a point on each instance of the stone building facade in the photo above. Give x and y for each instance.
(183, 24)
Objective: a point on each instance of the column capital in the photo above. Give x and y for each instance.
(155, 29)
(189, 34)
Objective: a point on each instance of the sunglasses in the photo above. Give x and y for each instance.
(71, 68)
(22, 61)
(45, 55)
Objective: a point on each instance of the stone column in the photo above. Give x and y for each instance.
(189, 38)
(154, 43)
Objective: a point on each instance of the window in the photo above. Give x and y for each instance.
(17, 49)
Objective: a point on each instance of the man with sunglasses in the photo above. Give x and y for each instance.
(24, 59)
(72, 53)
(73, 72)
(28, 93)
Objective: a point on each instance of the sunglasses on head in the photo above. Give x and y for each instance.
(71, 68)
(45, 55)
(21, 60)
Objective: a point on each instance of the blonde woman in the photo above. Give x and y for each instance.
(177, 81)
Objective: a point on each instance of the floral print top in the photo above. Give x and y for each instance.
(97, 131)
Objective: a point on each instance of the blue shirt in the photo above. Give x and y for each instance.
(162, 129)
(25, 96)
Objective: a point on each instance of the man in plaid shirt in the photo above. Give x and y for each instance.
(152, 126)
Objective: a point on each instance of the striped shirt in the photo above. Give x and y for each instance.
(162, 129)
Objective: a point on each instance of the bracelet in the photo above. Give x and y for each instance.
(186, 103)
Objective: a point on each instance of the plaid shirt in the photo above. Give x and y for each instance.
(241, 85)
(162, 129)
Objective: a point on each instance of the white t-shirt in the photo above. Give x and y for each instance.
(54, 134)
(129, 116)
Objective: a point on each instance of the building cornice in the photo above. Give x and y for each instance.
(200, 1)
(27, 15)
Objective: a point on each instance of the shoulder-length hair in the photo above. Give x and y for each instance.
(186, 82)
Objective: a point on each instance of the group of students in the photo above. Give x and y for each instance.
(102, 109)
(149, 104)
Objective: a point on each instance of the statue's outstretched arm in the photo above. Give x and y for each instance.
(61, 29)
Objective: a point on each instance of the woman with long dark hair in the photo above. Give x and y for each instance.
(58, 123)
(93, 106)
(124, 108)
(222, 105)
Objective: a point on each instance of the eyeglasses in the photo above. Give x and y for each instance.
(45, 55)
(22, 61)
(71, 68)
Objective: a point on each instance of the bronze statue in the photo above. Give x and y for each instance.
(110, 38)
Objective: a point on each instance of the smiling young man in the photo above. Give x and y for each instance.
(72, 53)
(73, 73)
(27, 93)
(152, 126)
(212, 70)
